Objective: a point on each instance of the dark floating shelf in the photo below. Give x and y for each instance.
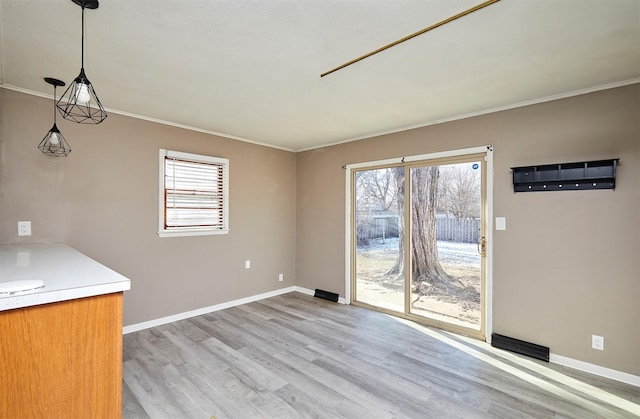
(599, 174)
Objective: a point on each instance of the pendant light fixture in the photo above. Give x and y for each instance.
(80, 103)
(53, 143)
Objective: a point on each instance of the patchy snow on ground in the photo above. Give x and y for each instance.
(448, 252)
(458, 253)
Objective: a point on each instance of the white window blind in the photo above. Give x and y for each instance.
(194, 194)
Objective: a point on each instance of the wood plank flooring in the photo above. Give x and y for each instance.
(295, 356)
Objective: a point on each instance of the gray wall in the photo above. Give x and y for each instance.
(103, 201)
(568, 265)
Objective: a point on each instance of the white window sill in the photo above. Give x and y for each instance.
(191, 232)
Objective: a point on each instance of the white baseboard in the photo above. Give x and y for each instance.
(302, 290)
(623, 377)
(187, 314)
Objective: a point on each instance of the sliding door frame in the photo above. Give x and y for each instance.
(349, 220)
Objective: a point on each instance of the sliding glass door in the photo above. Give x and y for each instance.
(379, 254)
(418, 244)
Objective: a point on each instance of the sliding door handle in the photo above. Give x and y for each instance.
(482, 246)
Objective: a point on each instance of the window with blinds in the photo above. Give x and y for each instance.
(193, 194)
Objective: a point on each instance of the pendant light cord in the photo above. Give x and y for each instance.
(54, 104)
(82, 34)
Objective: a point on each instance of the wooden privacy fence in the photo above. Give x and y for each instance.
(461, 230)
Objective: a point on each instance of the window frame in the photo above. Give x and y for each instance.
(163, 231)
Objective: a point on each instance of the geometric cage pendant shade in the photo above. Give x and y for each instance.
(54, 144)
(80, 103)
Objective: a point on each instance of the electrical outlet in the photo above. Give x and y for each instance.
(597, 342)
(24, 228)
(281, 277)
(247, 264)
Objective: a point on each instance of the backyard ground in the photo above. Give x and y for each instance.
(459, 305)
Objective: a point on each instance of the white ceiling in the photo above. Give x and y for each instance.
(251, 69)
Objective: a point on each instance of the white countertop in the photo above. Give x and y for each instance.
(67, 274)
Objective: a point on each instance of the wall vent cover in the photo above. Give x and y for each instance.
(326, 295)
(520, 347)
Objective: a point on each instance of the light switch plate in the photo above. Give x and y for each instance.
(501, 223)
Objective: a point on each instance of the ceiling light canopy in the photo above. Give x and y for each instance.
(80, 103)
(54, 143)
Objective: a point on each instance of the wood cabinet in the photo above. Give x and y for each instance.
(62, 359)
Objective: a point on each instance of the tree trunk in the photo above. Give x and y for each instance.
(424, 187)
(398, 176)
(425, 264)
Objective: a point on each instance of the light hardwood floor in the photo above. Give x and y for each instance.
(295, 356)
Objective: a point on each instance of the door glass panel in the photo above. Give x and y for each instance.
(378, 237)
(446, 265)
